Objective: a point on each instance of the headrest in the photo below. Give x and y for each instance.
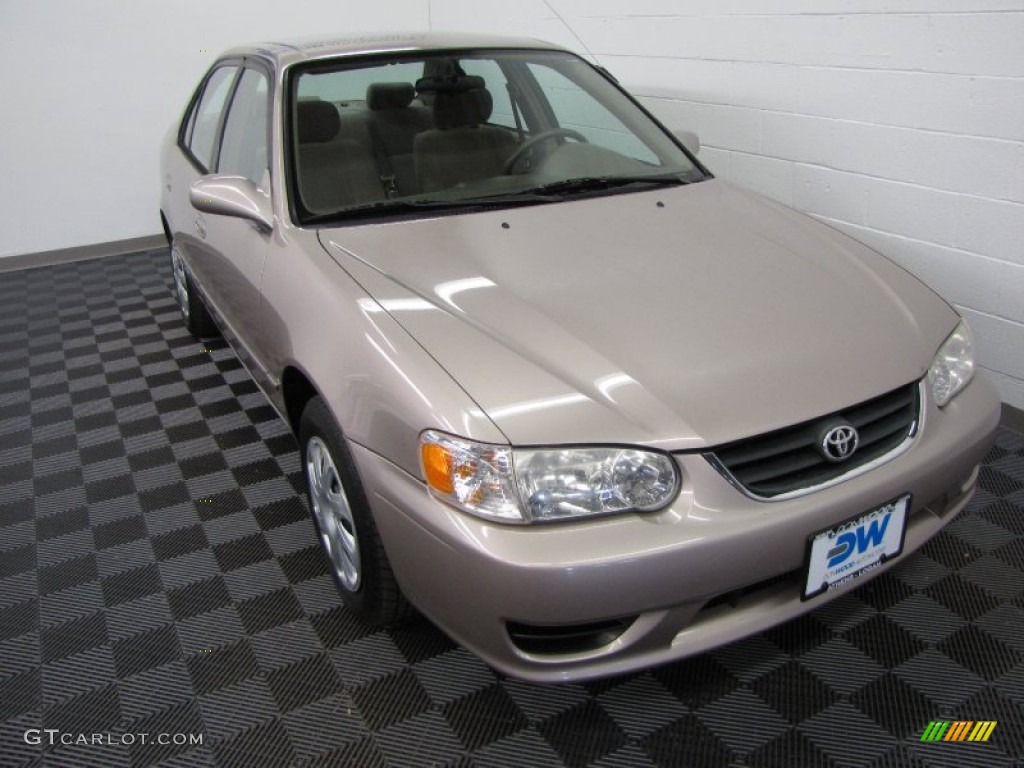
(318, 121)
(457, 108)
(389, 95)
(441, 83)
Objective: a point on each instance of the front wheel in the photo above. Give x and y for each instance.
(344, 522)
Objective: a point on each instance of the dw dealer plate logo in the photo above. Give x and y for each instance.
(959, 730)
(838, 555)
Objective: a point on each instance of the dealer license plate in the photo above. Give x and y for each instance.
(840, 554)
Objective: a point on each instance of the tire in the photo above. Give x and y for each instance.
(344, 522)
(193, 311)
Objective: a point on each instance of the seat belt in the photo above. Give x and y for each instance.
(380, 154)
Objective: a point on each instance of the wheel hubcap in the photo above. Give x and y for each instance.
(333, 513)
(180, 281)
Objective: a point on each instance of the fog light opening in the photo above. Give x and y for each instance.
(561, 639)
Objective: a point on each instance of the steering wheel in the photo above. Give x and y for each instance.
(529, 144)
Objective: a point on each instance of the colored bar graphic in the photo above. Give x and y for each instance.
(935, 731)
(959, 730)
(982, 730)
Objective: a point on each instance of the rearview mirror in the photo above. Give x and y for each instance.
(232, 196)
(689, 139)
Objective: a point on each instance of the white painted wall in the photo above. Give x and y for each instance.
(90, 87)
(900, 122)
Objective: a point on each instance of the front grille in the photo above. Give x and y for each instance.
(789, 460)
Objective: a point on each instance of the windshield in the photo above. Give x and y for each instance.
(397, 135)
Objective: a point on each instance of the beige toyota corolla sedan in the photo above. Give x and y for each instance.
(586, 407)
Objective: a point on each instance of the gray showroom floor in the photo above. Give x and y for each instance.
(159, 575)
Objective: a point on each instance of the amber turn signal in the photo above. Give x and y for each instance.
(437, 466)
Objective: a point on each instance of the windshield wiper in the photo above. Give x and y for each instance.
(597, 183)
(385, 207)
(545, 193)
(379, 206)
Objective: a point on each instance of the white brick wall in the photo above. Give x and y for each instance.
(90, 88)
(900, 122)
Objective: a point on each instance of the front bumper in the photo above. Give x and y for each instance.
(710, 569)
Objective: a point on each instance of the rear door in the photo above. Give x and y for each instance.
(235, 249)
(198, 140)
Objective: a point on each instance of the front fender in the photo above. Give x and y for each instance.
(380, 384)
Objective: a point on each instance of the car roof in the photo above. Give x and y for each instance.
(286, 52)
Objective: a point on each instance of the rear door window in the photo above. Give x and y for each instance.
(201, 135)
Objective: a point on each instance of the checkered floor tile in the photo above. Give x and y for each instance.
(163, 600)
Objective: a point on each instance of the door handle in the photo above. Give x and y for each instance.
(200, 227)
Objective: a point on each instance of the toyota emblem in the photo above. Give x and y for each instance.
(839, 443)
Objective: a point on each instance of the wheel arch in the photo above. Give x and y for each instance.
(296, 391)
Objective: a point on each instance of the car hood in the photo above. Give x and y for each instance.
(680, 317)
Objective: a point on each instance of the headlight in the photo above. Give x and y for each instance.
(577, 482)
(535, 485)
(953, 365)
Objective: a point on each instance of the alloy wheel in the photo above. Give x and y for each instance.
(333, 513)
(180, 281)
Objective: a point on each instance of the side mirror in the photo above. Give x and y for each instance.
(689, 139)
(232, 196)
